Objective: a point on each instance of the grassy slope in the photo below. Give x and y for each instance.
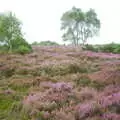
(22, 75)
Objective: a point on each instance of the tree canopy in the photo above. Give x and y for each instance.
(78, 25)
(10, 32)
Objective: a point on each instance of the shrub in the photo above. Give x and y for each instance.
(87, 110)
(23, 49)
(91, 48)
(7, 72)
(3, 48)
(112, 48)
(117, 49)
(86, 93)
(83, 81)
(55, 97)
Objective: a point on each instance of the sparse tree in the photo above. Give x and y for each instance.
(78, 26)
(10, 29)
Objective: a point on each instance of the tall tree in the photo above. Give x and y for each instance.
(10, 29)
(78, 26)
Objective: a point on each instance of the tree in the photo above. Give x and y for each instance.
(35, 43)
(45, 43)
(10, 31)
(79, 26)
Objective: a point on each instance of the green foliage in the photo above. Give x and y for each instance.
(3, 48)
(74, 68)
(23, 49)
(91, 48)
(5, 104)
(45, 43)
(83, 82)
(11, 37)
(110, 48)
(113, 48)
(79, 25)
(35, 43)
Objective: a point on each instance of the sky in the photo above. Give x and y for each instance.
(41, 18)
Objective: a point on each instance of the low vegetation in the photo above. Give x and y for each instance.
(56, 82)
(45, 43)
(59, 84)
(108, 48)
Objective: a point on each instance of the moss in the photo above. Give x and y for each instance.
(5, 104)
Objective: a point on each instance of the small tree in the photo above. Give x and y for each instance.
(79, 26)
(10, 31)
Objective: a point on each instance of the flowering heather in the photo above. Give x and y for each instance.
(62, 86)
(113, 99)
(86, 110)
(109, 90)
(61, 115)
(101, 55)
(106, 76)
(60, 83)
(86, 94)
(100, 105)
(58, 93)
(111, 116)
(108, 65)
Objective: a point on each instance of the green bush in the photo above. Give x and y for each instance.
(113, 48)
(23, 49)
(109, 48)
(91, 48)
(19, 45)
(117, 50)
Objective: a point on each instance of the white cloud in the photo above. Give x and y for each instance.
(41, 18)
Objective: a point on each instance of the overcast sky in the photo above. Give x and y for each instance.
(41, 18)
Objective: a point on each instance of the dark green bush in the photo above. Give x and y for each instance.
(109, 48)
(91, 48)
(23, 49)
(113, 48)
(19, 45)
(117, 50)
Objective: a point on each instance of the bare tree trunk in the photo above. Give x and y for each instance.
(10, 46)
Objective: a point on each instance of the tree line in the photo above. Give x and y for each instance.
(79, 26)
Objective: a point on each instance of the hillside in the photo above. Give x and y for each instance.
(60, 83)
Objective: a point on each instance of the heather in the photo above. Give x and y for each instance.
(60, 83)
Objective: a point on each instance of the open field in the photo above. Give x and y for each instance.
(60, 83)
